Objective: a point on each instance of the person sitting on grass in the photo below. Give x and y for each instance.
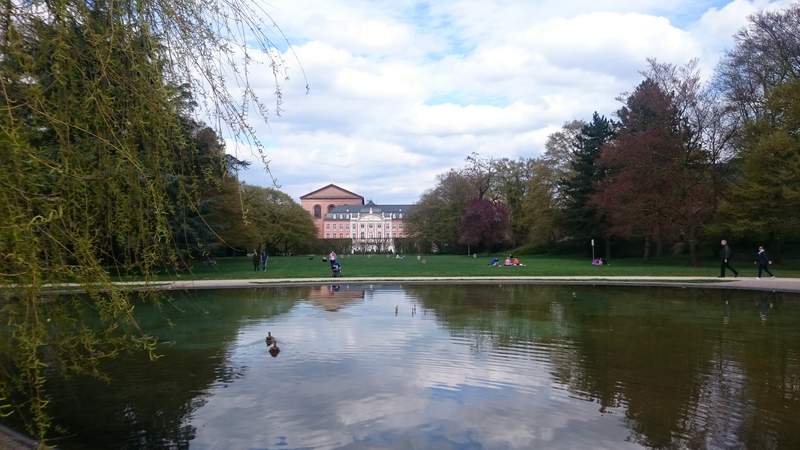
(494, 262)
(507, 262)
(515, 261)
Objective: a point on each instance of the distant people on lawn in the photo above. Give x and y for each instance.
(725, 257)
(256, 259)
(763, 261)
(511, 261)
(263, 259)
(494, 262)
(332, 258)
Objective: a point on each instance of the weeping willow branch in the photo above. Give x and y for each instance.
(94, 100)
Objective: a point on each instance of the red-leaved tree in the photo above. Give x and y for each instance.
(484, 224)
(657, 185)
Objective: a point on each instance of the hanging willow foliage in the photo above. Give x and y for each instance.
(92, 138)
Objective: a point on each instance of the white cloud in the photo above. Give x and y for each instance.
(403, 90)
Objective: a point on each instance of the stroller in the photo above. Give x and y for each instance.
(336, 269)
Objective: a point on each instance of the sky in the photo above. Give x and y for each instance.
(403, 90)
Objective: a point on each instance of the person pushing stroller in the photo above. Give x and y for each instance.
(336, 269)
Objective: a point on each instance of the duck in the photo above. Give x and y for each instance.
(270, 340)
(274, 350)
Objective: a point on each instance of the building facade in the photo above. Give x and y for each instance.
(341, 214)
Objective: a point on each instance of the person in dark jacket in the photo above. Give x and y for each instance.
(763, 262)
(255, 260)
(725, 256)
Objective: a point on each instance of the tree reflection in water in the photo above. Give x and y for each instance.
(669, 368)
(652, 354)
(204, 324)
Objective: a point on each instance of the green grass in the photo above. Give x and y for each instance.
(451, 265)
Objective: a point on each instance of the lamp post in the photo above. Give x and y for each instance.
(592, 250)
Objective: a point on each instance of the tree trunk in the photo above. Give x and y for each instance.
(659, 246)
(646, 254)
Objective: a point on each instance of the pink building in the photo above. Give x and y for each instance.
(341, 214)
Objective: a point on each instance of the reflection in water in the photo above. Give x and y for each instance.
(334, 297)
(507, 366)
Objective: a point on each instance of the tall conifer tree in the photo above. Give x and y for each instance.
(581, 220)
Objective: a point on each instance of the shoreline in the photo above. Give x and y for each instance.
(787, 285)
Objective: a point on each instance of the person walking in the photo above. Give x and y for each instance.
(263, 260)
(332, 258)
(255, 259)
(725, 256)
(763, 262)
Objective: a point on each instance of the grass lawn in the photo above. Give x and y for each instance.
(452, 265)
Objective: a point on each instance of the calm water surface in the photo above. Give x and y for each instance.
(475, 367)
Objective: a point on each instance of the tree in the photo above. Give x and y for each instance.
(766, 55)
(482, 173)
(206, 182)
(542, 212)
(582, 220)
(94, 155)
(435, 218)
(765, 201)
(559, 148)
(655, 185)
(278, 223)
(511, 183)
(707, 139)
(484, 224)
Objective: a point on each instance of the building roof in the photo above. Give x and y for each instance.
(345, 209)
(347, 193)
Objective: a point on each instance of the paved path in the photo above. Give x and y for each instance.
(765, 284)
(11, 440)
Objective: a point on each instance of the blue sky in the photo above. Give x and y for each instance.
(403, 90)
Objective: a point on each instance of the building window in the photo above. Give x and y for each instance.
(317, 211)
(330, 208)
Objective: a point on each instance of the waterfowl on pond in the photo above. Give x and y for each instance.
(274, 350)
(270, 340)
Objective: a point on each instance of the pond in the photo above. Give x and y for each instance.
(449, 366)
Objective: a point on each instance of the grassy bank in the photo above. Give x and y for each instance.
(451, 265)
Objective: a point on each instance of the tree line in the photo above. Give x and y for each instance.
(684, 161)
